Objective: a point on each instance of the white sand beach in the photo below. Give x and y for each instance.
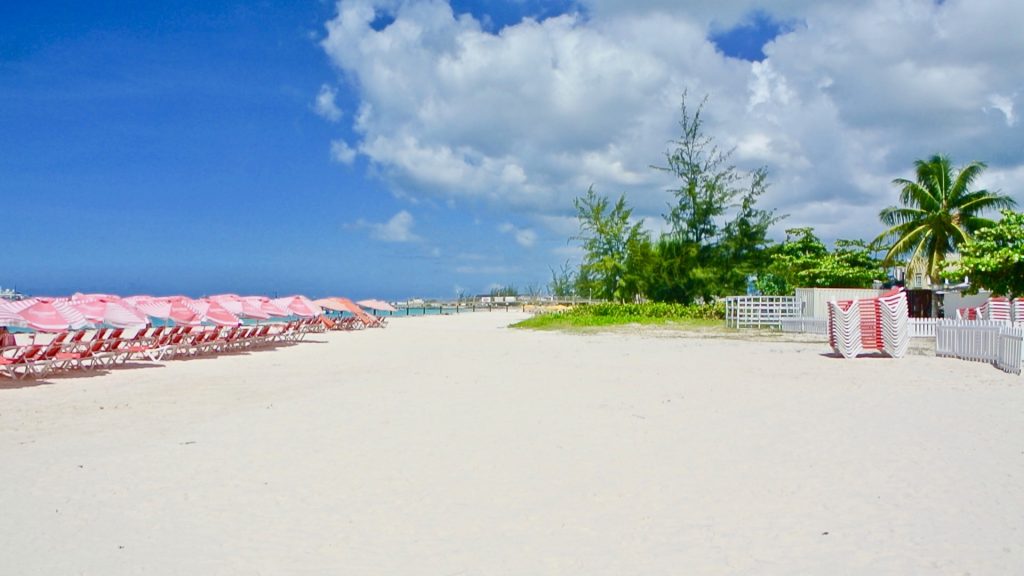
(456, 446)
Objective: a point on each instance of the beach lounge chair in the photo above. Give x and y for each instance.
(32, 360)
(167, 345)
(14, 358)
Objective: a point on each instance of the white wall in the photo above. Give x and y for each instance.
(814, 299)
(953, 300)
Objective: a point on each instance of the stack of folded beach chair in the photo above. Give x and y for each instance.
(997, 309)
(895, 324)
(856, 326)
(967, 313)
(844, 329)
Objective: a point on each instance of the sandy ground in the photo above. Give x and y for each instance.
(455, 446)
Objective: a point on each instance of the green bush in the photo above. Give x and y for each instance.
(608, 314)
(659, 310)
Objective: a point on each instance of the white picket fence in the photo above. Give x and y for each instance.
(805, 325)
(922, 327)
(918, 327)
(983, 341)
(760, 311)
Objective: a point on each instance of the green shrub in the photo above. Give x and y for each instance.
(608, 314)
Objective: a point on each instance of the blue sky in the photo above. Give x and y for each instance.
(418, 148)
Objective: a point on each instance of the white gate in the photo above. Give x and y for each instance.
(759, 311)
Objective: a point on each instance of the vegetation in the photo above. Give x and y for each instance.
(717, 239)
(701, 257)
(717, 235)
(500, 291)
(995, 258)
(616, 249)
(607, 314)
(804, 261)
(939, 212)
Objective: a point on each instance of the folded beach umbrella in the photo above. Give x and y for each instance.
(109, 310)
(299, 305)
(50, 315)
(377, 305)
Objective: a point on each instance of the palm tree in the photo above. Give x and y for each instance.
(939, 212)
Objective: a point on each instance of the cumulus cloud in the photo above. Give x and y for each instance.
(528, 116)
(325, 105)
(523, 236)
(342, 152)
(397, 229)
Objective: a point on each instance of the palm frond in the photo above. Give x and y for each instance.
(982, 200)
(894, 215)
(905, 236)
(967, 175)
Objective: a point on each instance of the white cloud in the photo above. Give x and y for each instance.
(342, 152)
(325, 105)
(523, 236)
(397, 229)
(1005, 105)
(527, 117)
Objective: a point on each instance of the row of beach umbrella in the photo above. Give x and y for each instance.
(85, 310)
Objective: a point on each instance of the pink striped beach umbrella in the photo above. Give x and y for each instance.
(9, 312)
(110, 310)
(213, 312)
(268, 306)
(241, 307)
(178, 309)
(51, 315)
(299, 305)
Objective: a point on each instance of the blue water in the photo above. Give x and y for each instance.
(436, 310)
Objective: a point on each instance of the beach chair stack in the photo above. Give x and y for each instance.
(856, 326)
(981, 312)
(895, 321)
(844, 329)
(998, 309)
(966, 313)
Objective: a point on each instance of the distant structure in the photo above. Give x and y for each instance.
(494, 299)
(10, 294)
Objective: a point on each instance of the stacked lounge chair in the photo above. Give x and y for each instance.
(856, 326)
(844, 333)
(895, 321)
(998, 309)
